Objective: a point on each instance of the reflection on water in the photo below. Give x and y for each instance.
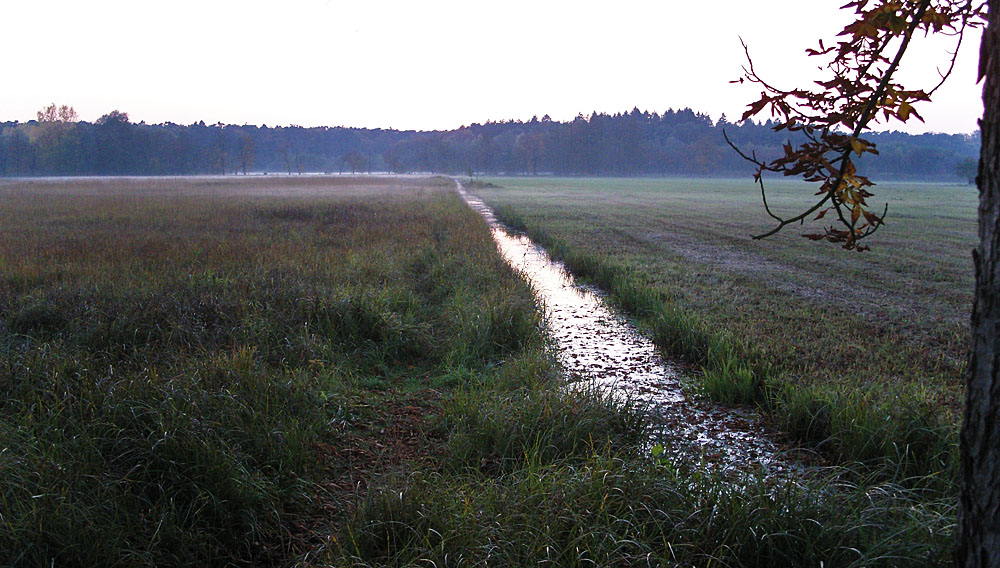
(596, 344)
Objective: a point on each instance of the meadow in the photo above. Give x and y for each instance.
(859, 355)
(342, 371)
(182, 359)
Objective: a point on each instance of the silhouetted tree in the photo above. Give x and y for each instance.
(967, 169)
(248, 150)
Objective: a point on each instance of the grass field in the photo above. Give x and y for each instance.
(343, 371)
(184, 361)
(863, 352)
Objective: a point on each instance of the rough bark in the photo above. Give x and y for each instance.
(979, 507)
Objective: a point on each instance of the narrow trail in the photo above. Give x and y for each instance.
(597, 344)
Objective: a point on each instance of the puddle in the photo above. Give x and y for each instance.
(596, 344)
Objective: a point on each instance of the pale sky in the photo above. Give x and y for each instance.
(428, 64)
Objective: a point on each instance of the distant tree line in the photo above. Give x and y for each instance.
(676, 142)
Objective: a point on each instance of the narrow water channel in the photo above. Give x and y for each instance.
(597, 344)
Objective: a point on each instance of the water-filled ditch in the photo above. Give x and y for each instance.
(597, 344)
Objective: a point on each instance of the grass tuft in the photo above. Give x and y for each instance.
(610, 511)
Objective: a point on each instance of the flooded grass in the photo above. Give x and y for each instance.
(598, 348)
(853, 367)
(275, 372)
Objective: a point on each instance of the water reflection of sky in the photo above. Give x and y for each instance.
(597, 345)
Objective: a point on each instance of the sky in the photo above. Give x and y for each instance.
(428, 64)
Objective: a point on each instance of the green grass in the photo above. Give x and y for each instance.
(343, 371)
(860, 355)
(609, 512)
(182, 361)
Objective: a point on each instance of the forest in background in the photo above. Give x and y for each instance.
(636, 143)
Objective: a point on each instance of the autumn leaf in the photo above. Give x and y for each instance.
(859, 146)
(872, 218)
(756, 107)
(904, 111)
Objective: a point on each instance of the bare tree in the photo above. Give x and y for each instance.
(286, 156)
(220, 150)
(52, 113)
(248, 151)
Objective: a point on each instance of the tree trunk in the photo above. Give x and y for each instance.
(979, 507)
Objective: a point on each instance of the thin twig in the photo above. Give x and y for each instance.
(844, 156)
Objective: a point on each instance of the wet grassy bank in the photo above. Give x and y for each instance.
(859, 356)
